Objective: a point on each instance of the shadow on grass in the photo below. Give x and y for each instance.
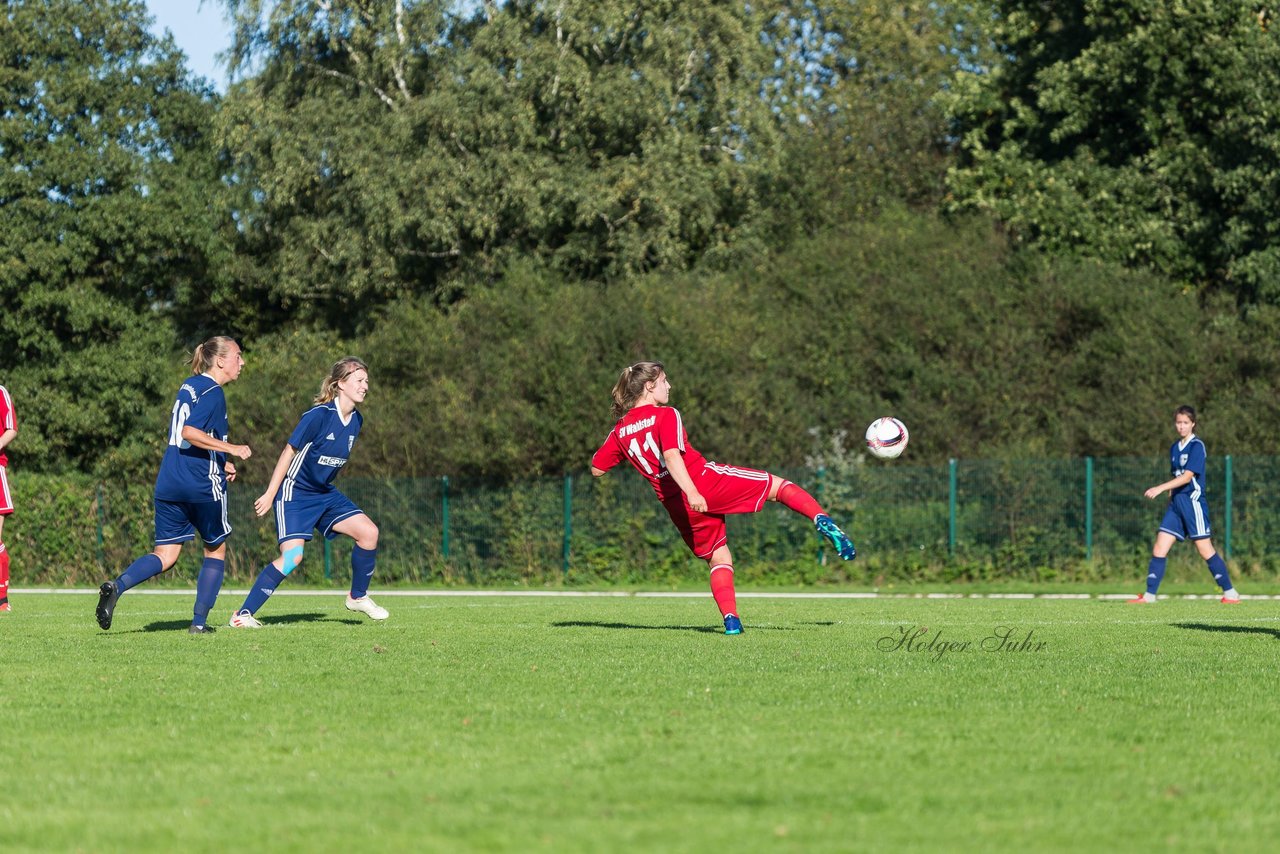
(311, 618)
(710, 630)
(162, 626)
(1243, 630)
(283, 619)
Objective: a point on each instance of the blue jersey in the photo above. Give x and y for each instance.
(188, 473)
(1188, 456)
(323, 442)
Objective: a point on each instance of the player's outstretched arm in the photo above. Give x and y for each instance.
(262, 504)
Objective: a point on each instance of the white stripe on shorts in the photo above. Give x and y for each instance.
(734, 471)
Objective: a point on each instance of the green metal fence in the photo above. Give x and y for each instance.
(1011, 516)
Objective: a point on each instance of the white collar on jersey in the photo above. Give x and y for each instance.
(346, 422)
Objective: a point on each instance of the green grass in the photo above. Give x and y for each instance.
(584, 724)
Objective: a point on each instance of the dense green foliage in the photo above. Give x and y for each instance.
(395, 145)
(105, 166)
(1146, 132)
(1025, 356)
(498, 205)
(575, 725)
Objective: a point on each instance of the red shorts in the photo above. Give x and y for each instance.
(6, 500)
(727, 489)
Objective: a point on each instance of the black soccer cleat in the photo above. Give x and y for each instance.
(108, 595)
(200, 630)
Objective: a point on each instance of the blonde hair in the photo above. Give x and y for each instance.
(631, 383)
(208, 352)
(341, 369)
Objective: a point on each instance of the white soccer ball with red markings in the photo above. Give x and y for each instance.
(887, 438)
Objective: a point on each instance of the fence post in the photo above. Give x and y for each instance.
(1088, 508)
(102, 560)
(951, 509)
(1227, 516)
(444, 515)
(568, 523)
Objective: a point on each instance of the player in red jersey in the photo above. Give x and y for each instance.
(697, 493)
(8, 429)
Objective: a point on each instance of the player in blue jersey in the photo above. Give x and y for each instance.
(1187, 514)
(302, 494)
(191, 488)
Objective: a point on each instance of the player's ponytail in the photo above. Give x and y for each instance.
(207, 353)
(341, 369)
(631, 383)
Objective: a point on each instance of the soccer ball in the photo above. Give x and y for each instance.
(886, 438)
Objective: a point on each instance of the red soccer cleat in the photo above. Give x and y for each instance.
(1140, 600)
(1227, 600)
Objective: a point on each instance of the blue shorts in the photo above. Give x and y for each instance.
(179, 521)
(1186, 518)
(304, 512)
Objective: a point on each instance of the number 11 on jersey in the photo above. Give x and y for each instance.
(638, 451)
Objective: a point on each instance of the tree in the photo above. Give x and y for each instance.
(104, 181)
(856, 86)
(394, 149)
(1145, 132)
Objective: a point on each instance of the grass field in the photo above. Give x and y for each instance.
(587, 724)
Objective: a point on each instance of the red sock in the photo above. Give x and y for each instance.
(4, 573)
(722, 589)
(800, 501)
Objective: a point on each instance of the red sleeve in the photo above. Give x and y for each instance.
(609, 454)
(670, 430)
(8, 418)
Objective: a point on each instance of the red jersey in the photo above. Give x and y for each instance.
(640, 437)
(8, 420)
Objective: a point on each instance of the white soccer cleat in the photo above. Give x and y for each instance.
(244, 620)
(368, 607)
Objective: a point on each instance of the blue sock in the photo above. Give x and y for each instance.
(147, 566)
(207, 586)
(268, 580)
(1218, 567)
(362, 563)
(1155, 574)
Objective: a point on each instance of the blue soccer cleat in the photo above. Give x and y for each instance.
(732, 625)
(838, 538)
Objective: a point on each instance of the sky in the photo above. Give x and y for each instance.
(199, 30)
